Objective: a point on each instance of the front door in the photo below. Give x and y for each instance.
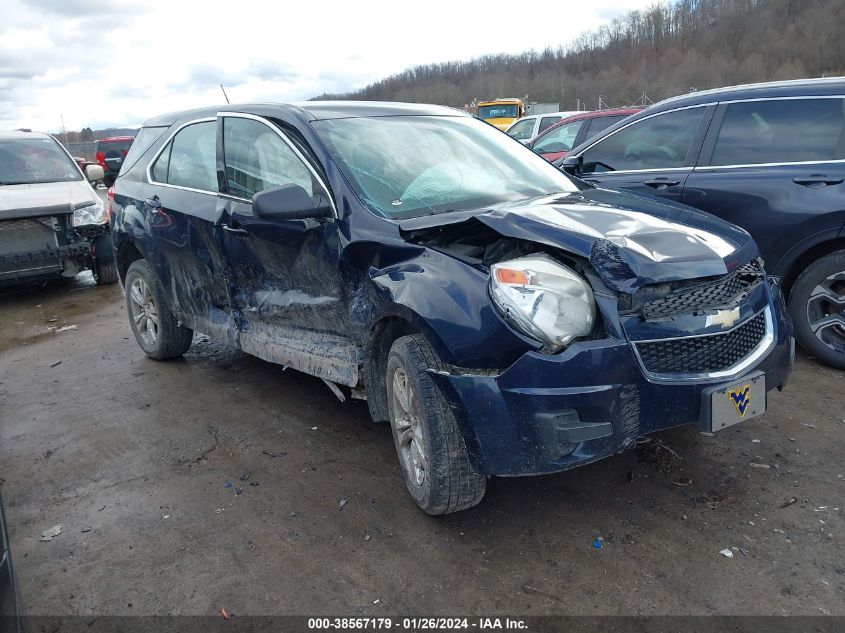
(654, 155)
(287, 289)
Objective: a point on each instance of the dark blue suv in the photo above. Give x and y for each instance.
(504, 318)
(768, 157)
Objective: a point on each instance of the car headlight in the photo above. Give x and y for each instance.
(94, 213)
(543, 299)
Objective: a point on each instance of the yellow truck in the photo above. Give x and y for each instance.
(503, 112)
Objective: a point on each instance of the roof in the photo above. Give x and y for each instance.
(15, 134)
(315, 110)
(109, 139)
(791, 88)
(590, 114)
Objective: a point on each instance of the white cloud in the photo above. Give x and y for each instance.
(99, 62)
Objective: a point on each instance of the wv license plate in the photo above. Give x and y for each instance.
(737, 402)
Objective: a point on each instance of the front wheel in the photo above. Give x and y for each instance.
(156, 330)
(429, 443)
(817, 307)
(105, 273)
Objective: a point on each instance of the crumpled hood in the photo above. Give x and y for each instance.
(630, 240)
(49, 198)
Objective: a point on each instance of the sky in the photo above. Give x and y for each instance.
(104, 63)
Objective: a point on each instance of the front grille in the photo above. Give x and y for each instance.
(703, 354)
(717, 294)
(35, 234)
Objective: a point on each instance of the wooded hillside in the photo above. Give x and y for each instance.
(669, 49)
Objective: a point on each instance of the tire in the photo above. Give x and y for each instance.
(429, 444)
(105, 274)
(813, 300)
(156, 330)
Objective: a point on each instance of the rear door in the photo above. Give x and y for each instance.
(653, 155)
(775, 167)
(288, 292)
(181, 211)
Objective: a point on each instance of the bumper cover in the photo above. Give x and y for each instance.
(548, 413)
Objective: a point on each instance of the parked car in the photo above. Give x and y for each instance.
(110, 154)
(52, 223)
(557, 140)
(528, 127)
(504, 318)
(10, 612)
(768, 157)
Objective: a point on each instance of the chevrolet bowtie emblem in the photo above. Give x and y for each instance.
(725, 318)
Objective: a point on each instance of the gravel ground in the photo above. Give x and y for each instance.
(216, 481)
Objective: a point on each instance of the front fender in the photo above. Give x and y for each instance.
(448, 302)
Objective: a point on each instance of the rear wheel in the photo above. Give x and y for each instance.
(429, 443)
(156, 330)
(817, 306)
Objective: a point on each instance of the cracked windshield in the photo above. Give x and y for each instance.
(407, 166)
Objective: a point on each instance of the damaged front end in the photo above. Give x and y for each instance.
(678, 313)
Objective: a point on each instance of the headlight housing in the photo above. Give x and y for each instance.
(94, 213)
(543, 299)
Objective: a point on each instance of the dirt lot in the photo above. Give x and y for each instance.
(216, 480)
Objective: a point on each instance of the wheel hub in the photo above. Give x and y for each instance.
(144, 311)
(826, 311)
(407, 428)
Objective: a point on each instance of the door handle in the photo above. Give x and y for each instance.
(817, 180)
(232, 229)
(661, 183)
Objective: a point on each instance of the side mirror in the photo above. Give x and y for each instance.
(289, 202)
(94, 173)
(572, 165)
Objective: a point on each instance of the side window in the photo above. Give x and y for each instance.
(659, 142)
(601, 123)
(256, 158)
(559, 139)
(189, 159)
(546, 122)
(781, 131)
(522, 129)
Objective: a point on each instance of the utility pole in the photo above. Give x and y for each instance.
(64, 130)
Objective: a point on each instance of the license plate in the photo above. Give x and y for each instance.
(737, 402)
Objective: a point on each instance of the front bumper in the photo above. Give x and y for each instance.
(548, 413)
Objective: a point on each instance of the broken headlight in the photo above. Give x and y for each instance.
(94, 213)
(543, 299)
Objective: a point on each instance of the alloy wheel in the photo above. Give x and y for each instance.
(407, 428)
(144, 311)
(826, 311)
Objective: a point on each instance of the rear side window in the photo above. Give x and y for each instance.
(601, 123)
(781, 131)
(546, 122)
(659, 142)
(257, 158)
(146, 137)
(189, 158)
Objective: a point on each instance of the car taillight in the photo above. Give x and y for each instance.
(101, 158)
(111, 201)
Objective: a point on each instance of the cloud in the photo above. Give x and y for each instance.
(101, 62)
